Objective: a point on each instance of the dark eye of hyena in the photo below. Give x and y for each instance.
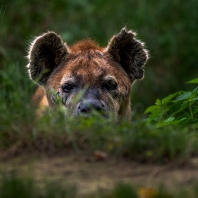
(67, 87)
(110, 85)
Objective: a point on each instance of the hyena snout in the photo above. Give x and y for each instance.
(88, 105)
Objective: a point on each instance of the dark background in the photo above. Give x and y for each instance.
(169, 28)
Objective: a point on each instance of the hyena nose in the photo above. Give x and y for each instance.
(87, 106)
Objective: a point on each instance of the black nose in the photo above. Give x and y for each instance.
(86, 106)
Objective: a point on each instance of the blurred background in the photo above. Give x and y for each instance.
(169, 28)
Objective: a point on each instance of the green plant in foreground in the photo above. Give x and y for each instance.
(21, 129)
(138, 140)
(178, 108)
(27, 187)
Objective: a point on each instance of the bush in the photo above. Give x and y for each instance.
(180, 108)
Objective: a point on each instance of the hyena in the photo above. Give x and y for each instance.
(105, 74)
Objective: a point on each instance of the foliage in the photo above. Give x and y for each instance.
(20, 128)
(170, 31)
(14, 186)
(180, 108)
(23, 187)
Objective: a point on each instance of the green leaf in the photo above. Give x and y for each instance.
(169, 119)
(151, 109)
(184, 96)
(162, 124)
(195, 81)
(184, 119)
(180, 110)
(156, 115)
(194, 99)
(168, 98)
(158, 102)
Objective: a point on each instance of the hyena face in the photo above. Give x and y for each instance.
(103, 86)
(85, 76)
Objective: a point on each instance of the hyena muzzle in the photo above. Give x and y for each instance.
(101, 76)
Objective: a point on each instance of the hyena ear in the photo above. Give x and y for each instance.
(129, 52)
(45, 54)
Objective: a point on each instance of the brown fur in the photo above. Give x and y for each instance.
(106, 73)
(85, 45)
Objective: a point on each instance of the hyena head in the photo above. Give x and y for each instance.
(101, 76)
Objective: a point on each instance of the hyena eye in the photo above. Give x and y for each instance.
(68, 87)
(110, 85)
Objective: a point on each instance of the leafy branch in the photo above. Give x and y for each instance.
(178, 108)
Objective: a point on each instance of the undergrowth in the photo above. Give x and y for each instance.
(180, 108)
(165, 136)
(23, 187)
(169, 132)
(137, 141)
(21, 129)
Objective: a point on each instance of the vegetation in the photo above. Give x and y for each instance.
(176, 115)
(139, 140)
(180, 108)
(169, 129)
(14, 186)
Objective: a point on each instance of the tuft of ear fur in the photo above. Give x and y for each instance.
(129, 52)
(45, 54)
